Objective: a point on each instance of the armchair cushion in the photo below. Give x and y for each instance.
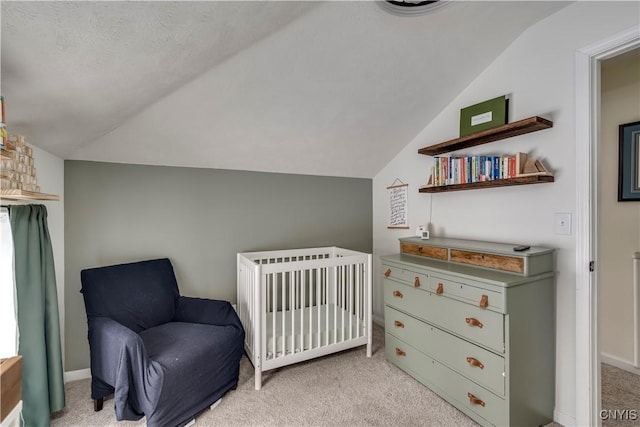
(199, 364)
(138, 295)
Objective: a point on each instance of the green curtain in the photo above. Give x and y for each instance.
(38, 320)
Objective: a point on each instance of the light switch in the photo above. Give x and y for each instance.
(562, 223)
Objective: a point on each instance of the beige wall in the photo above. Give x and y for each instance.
(619, 222)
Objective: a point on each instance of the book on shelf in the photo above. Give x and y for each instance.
(521, 159)
(469, 169)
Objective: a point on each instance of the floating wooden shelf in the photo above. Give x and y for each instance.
(27, 195)
(520, 127)
(519, 180)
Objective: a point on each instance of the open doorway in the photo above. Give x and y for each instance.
(588, 67)
(618, 228)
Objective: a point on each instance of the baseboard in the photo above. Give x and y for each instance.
(80, 374)
(619, 363)
(564, 419)
(378, 320)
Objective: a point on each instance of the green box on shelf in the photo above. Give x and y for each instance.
(485, 115)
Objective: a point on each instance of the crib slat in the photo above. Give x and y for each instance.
(348, 282)
(283, 308)
(300, 307)
(326, 305)
(268, 301)
(319, 300)
(357, 297)
(350, 301)
(340, 326)
(337, 292)
(345, 300)
(274, 290)
(292, 290)
(311, 304)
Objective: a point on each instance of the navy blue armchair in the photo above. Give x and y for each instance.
(161, 355)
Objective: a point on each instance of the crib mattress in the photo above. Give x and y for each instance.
(310, 327)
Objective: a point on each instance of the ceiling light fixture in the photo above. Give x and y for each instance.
(410, 7)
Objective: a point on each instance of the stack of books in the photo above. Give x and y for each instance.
(470, 169)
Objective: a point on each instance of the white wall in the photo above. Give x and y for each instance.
(537, 71)
(618, 222)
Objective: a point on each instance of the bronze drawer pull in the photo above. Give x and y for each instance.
(473, 322)
(475, 362)
(416, 283)
(397, 294)
(440, 289)
(400, 352)
(474, 400)
(387, 273)
(398, 324)
(484, 301)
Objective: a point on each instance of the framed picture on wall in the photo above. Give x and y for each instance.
(629, 162)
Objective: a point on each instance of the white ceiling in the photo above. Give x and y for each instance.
(323, 88)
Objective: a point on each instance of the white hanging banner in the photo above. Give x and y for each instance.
(398, 197)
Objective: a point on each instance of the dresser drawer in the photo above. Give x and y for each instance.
(482, 326)
(424, 250)
(482, 297)
(474, 362)
(410, 277)
(514, 264)
(460, 391)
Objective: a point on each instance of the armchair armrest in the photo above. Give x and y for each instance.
(108, 340)
(206, 311)
(119, 359)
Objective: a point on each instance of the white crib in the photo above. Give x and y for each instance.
(299, 304)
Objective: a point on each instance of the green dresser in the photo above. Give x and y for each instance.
(474, 322)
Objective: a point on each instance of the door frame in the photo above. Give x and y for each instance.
(587, 357)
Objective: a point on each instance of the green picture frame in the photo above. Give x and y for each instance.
(485, 115)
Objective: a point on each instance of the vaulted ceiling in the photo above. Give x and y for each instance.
(323, 88)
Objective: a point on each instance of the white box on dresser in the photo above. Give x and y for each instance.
(475, 322)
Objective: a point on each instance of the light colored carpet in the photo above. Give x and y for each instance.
(620, 391)
(344, 389)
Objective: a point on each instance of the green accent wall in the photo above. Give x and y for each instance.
(200, 219)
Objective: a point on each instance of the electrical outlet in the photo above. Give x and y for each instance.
(562, 223)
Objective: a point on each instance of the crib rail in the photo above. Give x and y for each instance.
(300, 304)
